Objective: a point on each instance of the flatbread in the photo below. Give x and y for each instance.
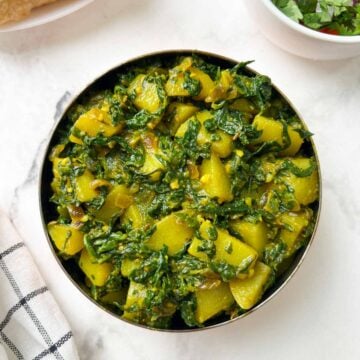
(13, 10)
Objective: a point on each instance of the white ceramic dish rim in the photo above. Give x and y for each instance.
(41, 16)
(342, 39)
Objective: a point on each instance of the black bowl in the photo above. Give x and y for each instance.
(48, 210)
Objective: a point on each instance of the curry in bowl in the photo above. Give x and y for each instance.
(182, 189)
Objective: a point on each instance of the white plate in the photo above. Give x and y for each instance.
(45, 14)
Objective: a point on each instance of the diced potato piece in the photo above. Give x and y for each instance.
(272, 130)
(147, 97)
(128, 265)
(233, 251)
(134, 215)
(228, 248)
(134, 301)
(193, 250)
(253, 234)
(66, 238)
(224, 89)
(179, 113)
(83, 189)
(58, 163)
(93, 122)
(243, 105)
(222, 147)
(118, 199)
(114, 296)
(214, 179)
(306, 189)
(171, 231)
(96, 273)
(295, 143)
(212, 302)
(175, 84)
(152, 165)
(247, 292)
(294, 224)
(206, 83)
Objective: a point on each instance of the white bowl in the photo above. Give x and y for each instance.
(298, 39)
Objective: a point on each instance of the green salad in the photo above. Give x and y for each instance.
(182, 190)
(336, 17)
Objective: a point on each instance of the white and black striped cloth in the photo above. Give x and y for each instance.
(31, 323)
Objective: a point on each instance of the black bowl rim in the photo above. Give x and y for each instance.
(173, 52)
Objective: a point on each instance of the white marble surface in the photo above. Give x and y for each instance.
(317, 315)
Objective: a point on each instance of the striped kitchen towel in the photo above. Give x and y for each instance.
(31, 323)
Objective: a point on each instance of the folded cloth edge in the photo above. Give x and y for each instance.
(26, 302)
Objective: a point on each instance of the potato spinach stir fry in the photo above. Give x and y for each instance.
(182, 192)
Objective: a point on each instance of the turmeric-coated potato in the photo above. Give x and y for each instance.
(179, 113)
(293, 225)
(67, 238)
(222, 144)
(146, 94)
(171, 231)
(253, 234)
(213, 301)
(118, 199)
(95, 121)
(306, 189)
(83, 189)
(95, 272)
(214, 179)
(247, 292)
(272, 131)
(227, 249)
(176, 85)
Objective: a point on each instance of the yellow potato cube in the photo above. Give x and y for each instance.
(253, 234)
(95, 272)
(171, 231)
(194, 250)
(212, 302)
(128, 265)
(222, 147)
(306, 189)
(233, 251)
(118, 199)
(294, 224)
(179, 113)
(66, 238)
(272, 130)
(224, 89)
(134, 301)
(114, 296)
(205, 81)
(247, 292)
(83, 189)
(175, 84)
(152, 165)
(135, 216)
(94, 122)
(227, 248)
(295, 143)
(243, 105)
(147, 97)
(214, 179)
